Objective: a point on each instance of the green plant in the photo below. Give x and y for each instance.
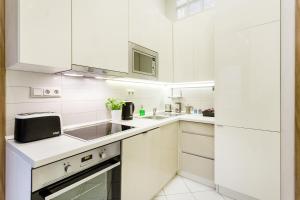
(114, 104)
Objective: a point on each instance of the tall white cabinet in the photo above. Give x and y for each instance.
(247, 98)
(100, 34)
(150, 28)
(194, 48)
(38, 35)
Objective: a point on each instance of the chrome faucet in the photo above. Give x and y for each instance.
(154, 111)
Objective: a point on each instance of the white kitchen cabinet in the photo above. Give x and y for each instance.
(100, 34)
(168, 152)
(194, 48)
(197, 152)
(149, 161)
(248, 161)
(248, 77)
(144, 19)
(199, 167)
(150, 28)
(242, 14)
(135, 165)
(165, 50)
(38, 35)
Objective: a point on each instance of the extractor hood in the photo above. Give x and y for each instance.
(91, 72)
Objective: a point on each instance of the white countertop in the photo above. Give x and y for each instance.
(50, 150)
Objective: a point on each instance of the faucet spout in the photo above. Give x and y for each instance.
(154, 111)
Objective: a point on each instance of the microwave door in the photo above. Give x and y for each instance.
(93, 185)
(143, 64)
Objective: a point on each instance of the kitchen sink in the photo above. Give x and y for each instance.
(170, 114)
(156, 117)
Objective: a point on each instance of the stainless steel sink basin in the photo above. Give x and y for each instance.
(157, 117)
(170, 114)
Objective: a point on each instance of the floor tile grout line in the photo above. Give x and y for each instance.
(189, 192)
(185, 184)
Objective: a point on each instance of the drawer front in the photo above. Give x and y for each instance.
(197, 128)
(198, 145)
(198, 166)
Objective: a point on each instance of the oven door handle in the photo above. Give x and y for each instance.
(70, 187)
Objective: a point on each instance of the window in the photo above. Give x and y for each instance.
(185, 8)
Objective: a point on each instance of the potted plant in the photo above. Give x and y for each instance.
(116, 108)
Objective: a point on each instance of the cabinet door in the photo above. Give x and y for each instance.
(241, 14)
(134, 168)
(194, 48)
(248, 77)
(140, 166)
(100, 34)
(183, 51)
(38, 35)
(165, 50)
(248, 161)
(168, 152)
(144, 16)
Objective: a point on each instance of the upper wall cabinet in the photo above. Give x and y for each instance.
(241, 14)
(165, 50)
(194, 48)
(38, 35)
(100, 34)
(248, 64)
(149, 27)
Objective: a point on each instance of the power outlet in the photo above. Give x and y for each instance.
(130, 92)
(45, 92)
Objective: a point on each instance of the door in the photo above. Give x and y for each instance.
(44, 35)
(141, 166)
(100, 34)
(194, 48)
(101, 182)
(248, 161)
(168, 152)
(248, 77)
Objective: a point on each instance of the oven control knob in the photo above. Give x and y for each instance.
(68, 168)
(102, 155)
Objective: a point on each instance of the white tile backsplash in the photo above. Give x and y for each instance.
(83, 99)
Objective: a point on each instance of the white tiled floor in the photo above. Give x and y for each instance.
(184, 189)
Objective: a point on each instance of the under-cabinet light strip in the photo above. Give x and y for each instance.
(201, 84)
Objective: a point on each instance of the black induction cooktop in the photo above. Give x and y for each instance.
(97, 131)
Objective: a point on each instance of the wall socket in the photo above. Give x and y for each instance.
(48, 92)
(130, 92)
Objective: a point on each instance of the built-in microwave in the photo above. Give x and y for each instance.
(143, 62)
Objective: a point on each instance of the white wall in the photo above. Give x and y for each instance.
(199, 98)
(83, 99)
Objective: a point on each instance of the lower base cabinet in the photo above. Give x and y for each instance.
(149, 161)
(248, 162)
(197, 152)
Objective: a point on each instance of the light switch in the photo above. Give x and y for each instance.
(37, 92)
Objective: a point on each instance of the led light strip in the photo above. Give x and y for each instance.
(201, 84)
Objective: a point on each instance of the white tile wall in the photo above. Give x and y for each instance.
(83, 100)
(200, 98)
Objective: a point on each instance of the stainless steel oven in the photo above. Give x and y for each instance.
(143, 62)
(92, 175)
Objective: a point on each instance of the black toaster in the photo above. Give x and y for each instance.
(31, 127)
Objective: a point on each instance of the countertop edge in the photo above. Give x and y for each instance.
(102, 141)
